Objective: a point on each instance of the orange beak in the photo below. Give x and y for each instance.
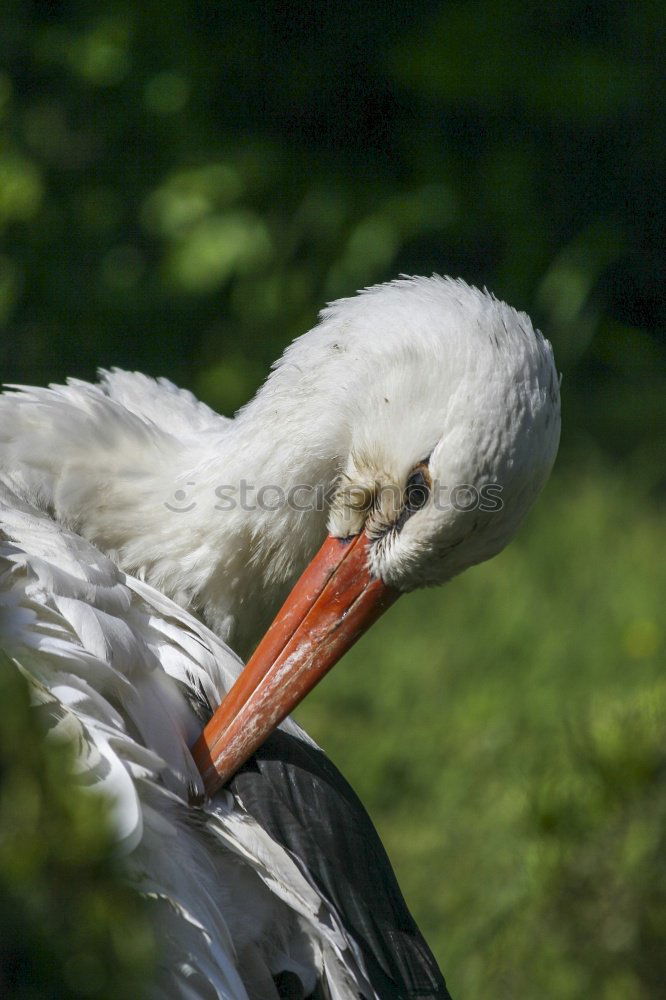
(333, 603)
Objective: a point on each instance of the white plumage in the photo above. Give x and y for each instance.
(129, 678)
(125, 477)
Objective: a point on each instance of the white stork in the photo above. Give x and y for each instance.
(141, 533)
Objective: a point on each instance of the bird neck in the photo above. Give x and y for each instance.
(226, 528)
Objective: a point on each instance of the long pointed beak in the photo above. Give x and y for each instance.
(333, 603)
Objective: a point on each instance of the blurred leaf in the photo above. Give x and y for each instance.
(190, 195)
(217, 248)
(21, 188)
(565, 291)
(62, 897)
(99, 54)
(166, 93)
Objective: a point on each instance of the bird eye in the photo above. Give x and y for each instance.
(417, 490)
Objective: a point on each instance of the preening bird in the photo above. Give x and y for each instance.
(143, 537)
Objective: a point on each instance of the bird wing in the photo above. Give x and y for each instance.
(301, 800)
(160, 402)
(62, 446)
(127, 677)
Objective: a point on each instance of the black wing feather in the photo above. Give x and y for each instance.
(300, 798)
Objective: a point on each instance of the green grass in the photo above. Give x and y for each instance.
(506, 735)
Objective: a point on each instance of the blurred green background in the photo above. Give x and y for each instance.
(182, 186)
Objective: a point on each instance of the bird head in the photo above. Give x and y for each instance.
(452, 403)
(444, 410)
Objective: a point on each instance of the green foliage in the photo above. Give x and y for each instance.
(507, 735)
(181, 187)
(185, 187)
(70, 927)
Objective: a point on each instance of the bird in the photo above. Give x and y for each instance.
(148, 543)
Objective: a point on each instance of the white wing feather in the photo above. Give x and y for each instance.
(161, 402)
(66, 447)
(128, 676)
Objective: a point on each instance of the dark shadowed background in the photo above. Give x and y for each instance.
(182, 186)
